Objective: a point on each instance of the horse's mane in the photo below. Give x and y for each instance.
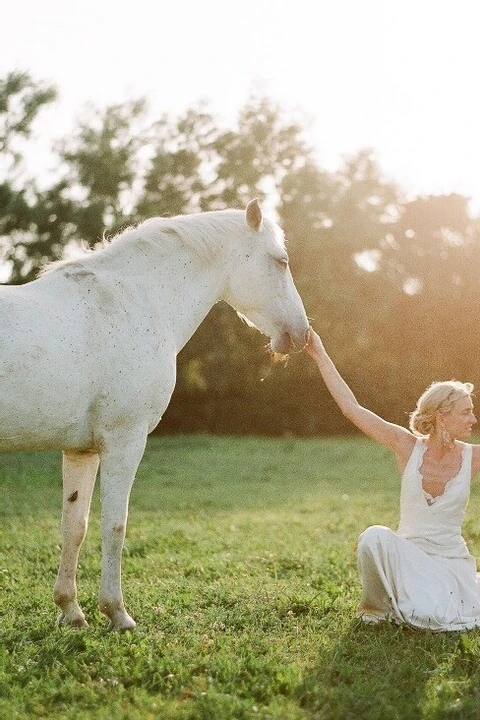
(200, 232)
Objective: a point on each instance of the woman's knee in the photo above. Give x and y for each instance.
(372, 536)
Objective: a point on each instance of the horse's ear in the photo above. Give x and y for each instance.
(254, 214)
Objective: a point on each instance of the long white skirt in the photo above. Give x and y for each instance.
(404, 583)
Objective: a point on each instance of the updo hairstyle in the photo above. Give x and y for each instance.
(439, 397)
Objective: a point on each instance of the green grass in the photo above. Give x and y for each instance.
(240, 571)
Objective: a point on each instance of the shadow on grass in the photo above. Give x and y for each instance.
(374, 673)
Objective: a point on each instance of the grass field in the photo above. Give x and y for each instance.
(239, 569)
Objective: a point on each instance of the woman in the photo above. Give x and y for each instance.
(422, 575)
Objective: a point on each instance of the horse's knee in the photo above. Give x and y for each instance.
(115, 532)
(119, 529)
(114, 529)
(75, 530)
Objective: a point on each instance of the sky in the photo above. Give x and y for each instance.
(399, 77)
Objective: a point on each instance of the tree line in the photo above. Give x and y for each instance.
(392, 284)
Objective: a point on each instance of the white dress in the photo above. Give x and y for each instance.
(422, 575)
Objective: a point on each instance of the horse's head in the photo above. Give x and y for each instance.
(261, 287)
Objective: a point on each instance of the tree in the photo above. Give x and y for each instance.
(95, 194)
(432, 257)
(103, 167)
(254, 158)
(180, 170)
(21, 101)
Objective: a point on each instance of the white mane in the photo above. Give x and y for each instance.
(201, 232)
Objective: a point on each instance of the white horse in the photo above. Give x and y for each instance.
(88, 359)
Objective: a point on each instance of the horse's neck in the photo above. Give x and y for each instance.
(182, 287)
(192, 293)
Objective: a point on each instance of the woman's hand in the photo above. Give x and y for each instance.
(314, 344)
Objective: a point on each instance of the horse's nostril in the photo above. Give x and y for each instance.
(291, 342)
(287, 341)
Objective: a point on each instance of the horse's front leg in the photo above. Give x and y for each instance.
(119, 461)
(79, 472)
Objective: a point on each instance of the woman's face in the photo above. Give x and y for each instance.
(460, 420)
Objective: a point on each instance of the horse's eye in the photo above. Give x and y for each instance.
(283, 262)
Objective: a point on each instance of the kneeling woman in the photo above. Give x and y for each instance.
(422, 575)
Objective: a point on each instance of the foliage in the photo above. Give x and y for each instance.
(22, 207)
(21, 99)
(101, 160)
(239, 568)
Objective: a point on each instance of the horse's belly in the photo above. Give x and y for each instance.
(57, 410)
(41, 403)
(34, 416)
(28, 436)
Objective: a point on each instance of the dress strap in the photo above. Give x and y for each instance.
(415, 460)
(467, 453)
(418, 451)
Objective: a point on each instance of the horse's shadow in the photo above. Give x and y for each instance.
(390, 672)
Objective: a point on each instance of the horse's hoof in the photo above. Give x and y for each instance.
(126, 624)
(120, 620)
(122, 628)
(76, 622)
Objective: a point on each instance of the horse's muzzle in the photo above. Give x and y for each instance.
(286, 343)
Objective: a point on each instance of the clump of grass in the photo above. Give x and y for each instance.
(239, 568)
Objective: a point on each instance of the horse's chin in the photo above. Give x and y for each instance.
(279, 358)
(281, 344)
(280, 347)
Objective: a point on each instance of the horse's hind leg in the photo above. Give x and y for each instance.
(79, 472)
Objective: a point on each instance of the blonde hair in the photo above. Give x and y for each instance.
(439, 397)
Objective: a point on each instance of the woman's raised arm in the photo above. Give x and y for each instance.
(393, 436)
